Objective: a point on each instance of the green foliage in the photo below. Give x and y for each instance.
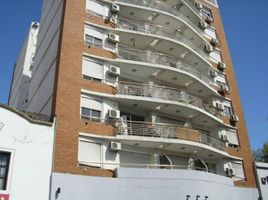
(261, 155)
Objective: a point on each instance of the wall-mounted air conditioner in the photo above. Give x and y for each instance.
(114, 114)
(234, 118)
(115, 146)
(224, 88)
(225, 137)
(214, 41)
(113, 70)
(229, 170)
(213, 73)
(209, 19)
(115, 8)
(208, 48)
(219, 106)
(203, 24)
(221, 66)
(113, 37)
(113, 20)
(198, 5)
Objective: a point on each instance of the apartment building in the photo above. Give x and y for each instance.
(146, 101)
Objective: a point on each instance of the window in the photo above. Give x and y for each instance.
(211, 32)
(96, 42)
(89, 153)
(220, 79)
(97, 8)
(91, 108)
(227, 112)
(212, 167)
(92, 115)
(216, 55)
(239, 171)
(4, 167)
(206, 12)
(232, 138)
(92, 70)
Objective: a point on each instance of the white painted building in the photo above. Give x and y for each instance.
(261, 170)
(26, 145)
(23, 70)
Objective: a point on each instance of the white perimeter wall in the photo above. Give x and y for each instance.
(149, 184)
(31, 156)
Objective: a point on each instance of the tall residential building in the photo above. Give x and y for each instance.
(143, 91)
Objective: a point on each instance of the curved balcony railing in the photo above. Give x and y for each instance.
(160, 59)
(159, 130)
(165, 93)
(160, 31)
(163, 7)
(163, 59)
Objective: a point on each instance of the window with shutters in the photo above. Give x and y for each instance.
(216, 55)
(94, 36)
(91, 108)
(89, 153)
(92, 70)
(232, 138)
(97, 8)
(4, 169)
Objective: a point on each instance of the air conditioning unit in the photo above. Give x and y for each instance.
(209, 19)
(220, 106)
(113, 20)
(203, 24)
(221, 66)
(113, 37)
(225, 137)
(208, 48)
(213, 73)
(114, 114)
(234, 118)
(115, 8)
(214, 41)
(224, 88)
(113, 70)
(115, 146)
(229, 170)
(198, 5)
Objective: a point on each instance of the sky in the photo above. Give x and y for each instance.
(246, 27)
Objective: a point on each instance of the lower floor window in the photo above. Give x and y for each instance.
(4, 167)
(93, 115)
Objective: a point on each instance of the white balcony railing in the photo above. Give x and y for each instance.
(172, 131)
(160, 31)
(160, 59)
(166, 8)
(163, 59)
(165, 93)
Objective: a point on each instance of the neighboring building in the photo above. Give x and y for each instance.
(26, 147)
(23, 70)
(261, 170)
(140, 87)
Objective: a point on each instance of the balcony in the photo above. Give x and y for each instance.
(166, 60)
(165, 8)
(149, 64)
(161, 31)
(169, 131)
(165, 93)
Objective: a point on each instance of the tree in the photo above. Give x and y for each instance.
(261, 155)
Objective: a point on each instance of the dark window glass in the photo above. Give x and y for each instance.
(93, 115)
(4, 166)
(94, 41)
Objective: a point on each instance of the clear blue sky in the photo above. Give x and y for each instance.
(246, 26)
